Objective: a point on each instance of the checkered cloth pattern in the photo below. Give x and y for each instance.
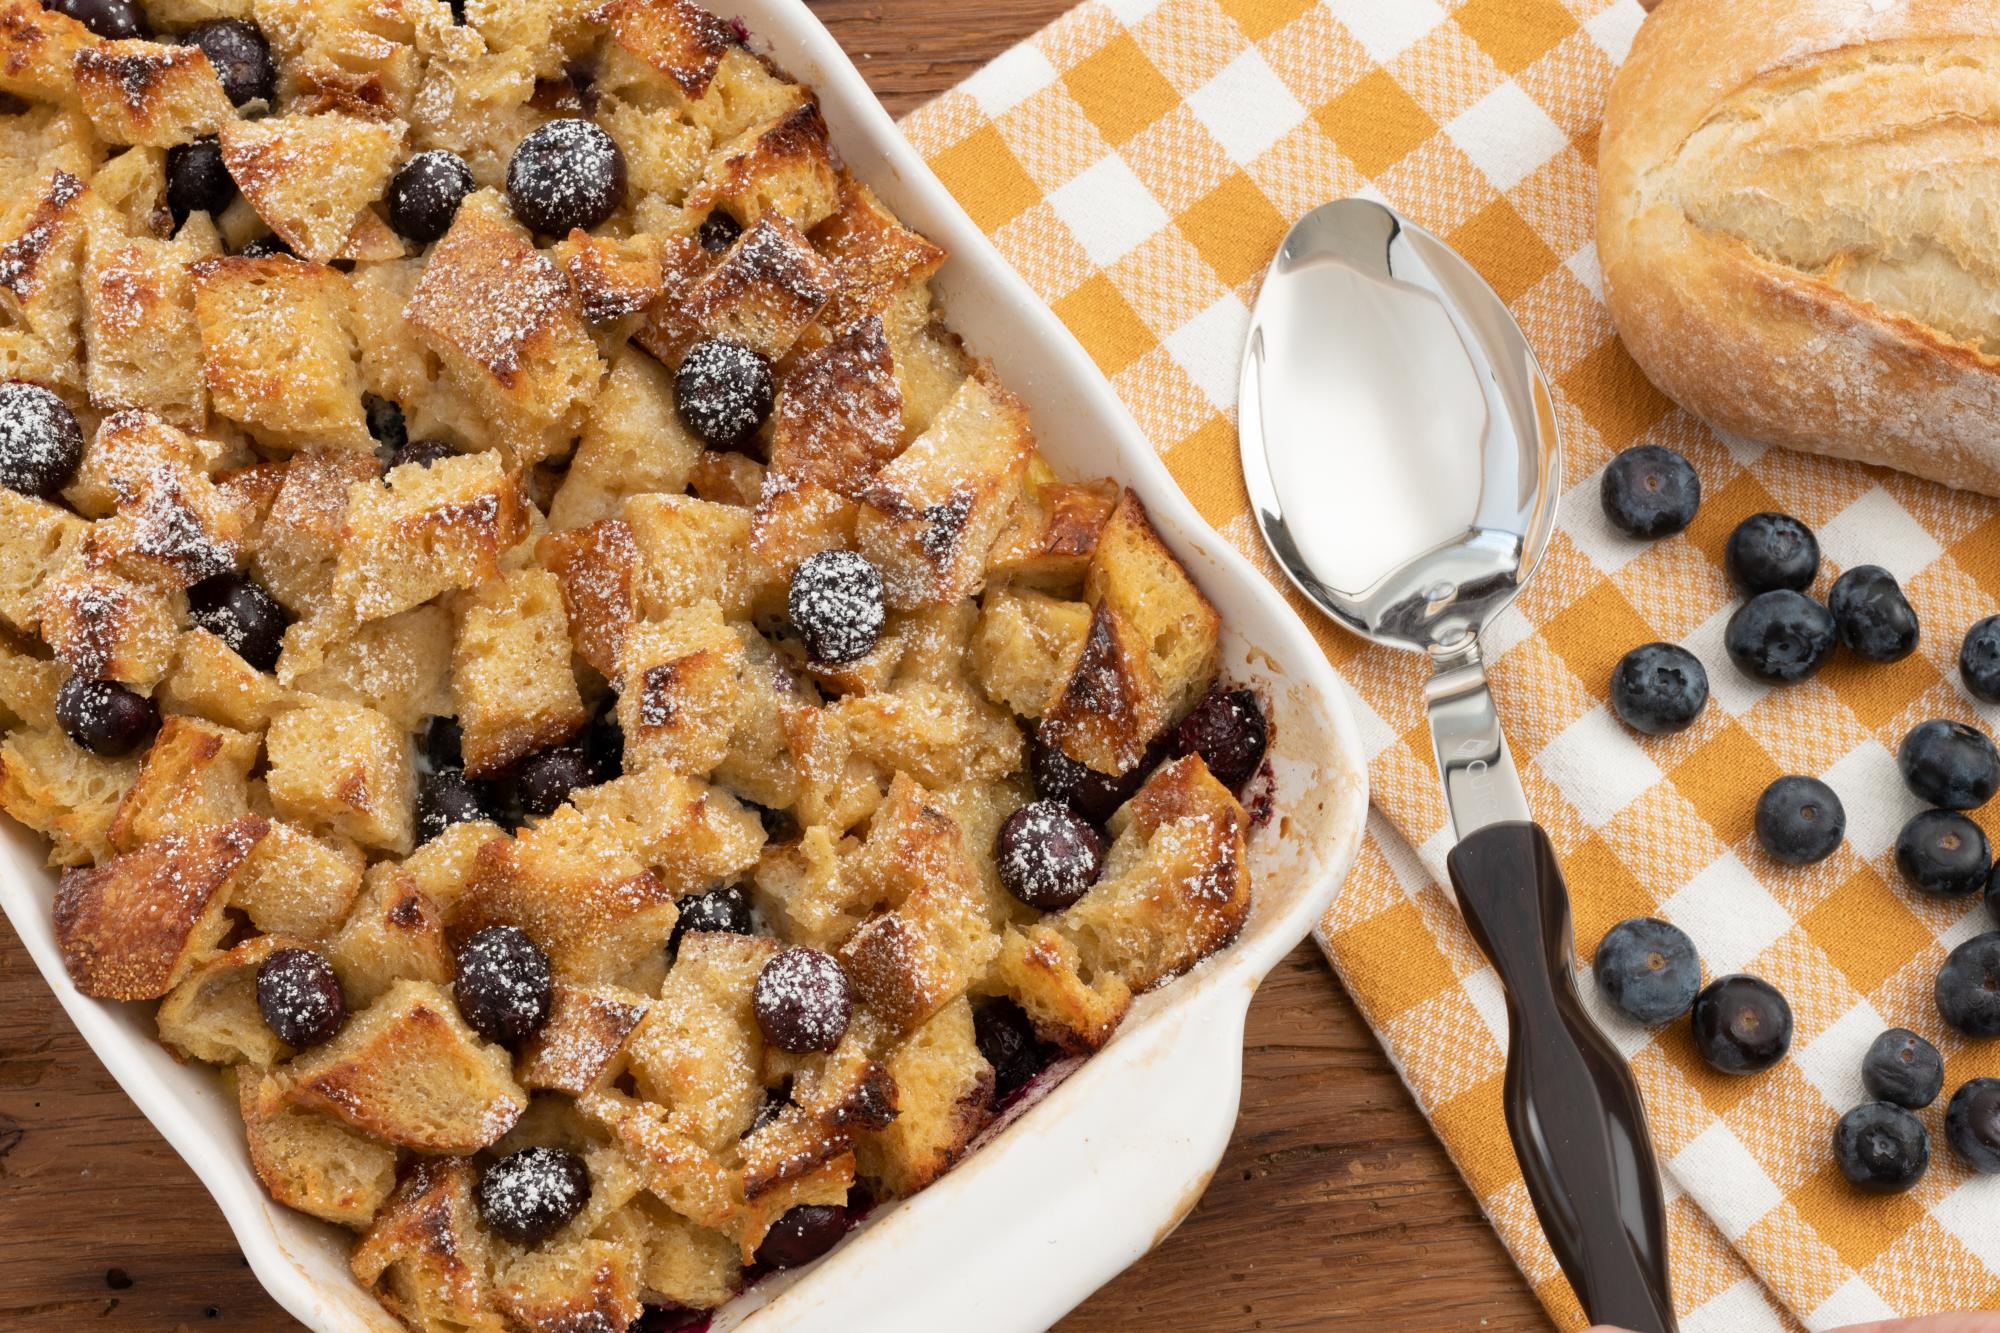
(1138, 161)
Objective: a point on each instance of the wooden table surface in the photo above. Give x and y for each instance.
(1334, 1209)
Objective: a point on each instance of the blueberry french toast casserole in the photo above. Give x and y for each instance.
(531, 642)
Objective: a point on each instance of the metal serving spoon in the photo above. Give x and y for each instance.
(1400, 450)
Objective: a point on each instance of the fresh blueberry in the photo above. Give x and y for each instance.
(1779, 636)
(1903, 1068)
(1769, 551)
(1972, 1124)
(1095, 795)
(105, 717)
(503, 986)
(546, 778)
(265, 246)
(724, 391)
(1800, 820)
(241, 56)
(386, 424)
(567, 174)
(1648, 969)
(604, 741)
(1944, 853)
(725, 910)
(836, 603)
(239, 612)
(718, 232)
(425, 194)
(1741, 1024)
(423, 453)
(444, 743)
(1658, 688)
(1047, 855)
(197, 180)
(803, 1001)
(1979, 660)
(1007, 1038)
(1227, 729)
(1871, 616)
(1650, 491)
(530, 1195)
(1950, 764)
(41, 444)
(300, 998)
(802, 1235)
(113, 20)
(1881, 1148)
(447, 797)
(1968, 986)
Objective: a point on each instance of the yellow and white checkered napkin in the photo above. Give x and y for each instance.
(1138, 161)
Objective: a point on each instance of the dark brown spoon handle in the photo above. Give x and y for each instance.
(1573, 1111)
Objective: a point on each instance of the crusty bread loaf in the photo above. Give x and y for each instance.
(1796, 224)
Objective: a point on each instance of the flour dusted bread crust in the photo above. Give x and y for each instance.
(1799, 224)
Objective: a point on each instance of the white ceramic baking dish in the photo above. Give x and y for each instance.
(1100, 1169)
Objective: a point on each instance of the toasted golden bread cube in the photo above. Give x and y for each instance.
(345, 770)
(744, 91)
(508, 329)
(400, 666)
(443, 867)
(105, 626)
(874, 256)
(572, 1281)
(296, 884)
(423, 531)
(693, 836)
(690, 551)
(612, 278)
(583, 1042)
(41, 296)
(1072, 1005)
(801, 883)
(194, 774)
(699, 1048)
(37, 50)
(931, 362)
(791, 522)
(764, 293)
(63, 792)
(36, 539)
(727, 478)
(143, 345)
(689, 1265)
(633, 443)
(209, 680)
(1048, 542)
(664, 154)
(674, 1166)
(839, 414)
(131, 928)
(944, 1095)
(1027, 647)
(28, 688)
(938, 733)
(426, 1257)
(277, 356)
(144, 92)
(784, 166)
(1110, 708)
(352, 72)
(678, 38)
(394, 932)
(312, 1162)
(408, 1070)
(175, 532)
(680, 698)
(310, 177)
(1134, 573)
(931, 516)
(301, 534)
(41, 139)
(510, 671)
(213, 1014)
(597, 564)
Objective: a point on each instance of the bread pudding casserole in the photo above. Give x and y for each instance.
(531, 641)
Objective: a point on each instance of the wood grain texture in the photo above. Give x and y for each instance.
(1335, 1208)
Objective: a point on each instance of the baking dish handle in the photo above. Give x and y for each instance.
(1573, 1111)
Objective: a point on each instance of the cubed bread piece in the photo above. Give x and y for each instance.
(571, 1281)
(783, 166)
(678, 38)
(931, 516)
(800, 884)
(141, 340)
(612, 278)
(764, 293)
(400, 666)
(939, 734)
(277, 356)
(426, 1255)
(633, 443)
(312, 1162)
(693, 836)
(792, 521)
(38, 48)
(508, 329)
(213, 1015)
(944, 1094)
(575, 887)
(146, 92)
(1048, 542)
(393, 932)
(547, 30)
(690, 551)
(63, 792)
(474, 101)
(510, 671)
(699, 1048)
(408, 1070)
(208, 680)
(398, 365)
(598, 566)
(1134, 573)
(311, 176)
(132, 927)
(583, 1042)
(931, 362)
(839, 414)
(130, 193)
(744, 91)
(664, 154)
(423, 531)
(690, 1266)
(346, 69)
(301, 534)
(938, 643)
(680, 697)
(674, 1166)
(344, 770)
(874, 256)
(1071, 1004)
(41, 138)
(1027, 647)
(195, 773)
(171, 527)
(725, 477)
(41, 290)
(28, 688)
(108, 627)
(1111, 706)
(834, 1097)
(443, 867)
(36, 539)
(296, 884)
